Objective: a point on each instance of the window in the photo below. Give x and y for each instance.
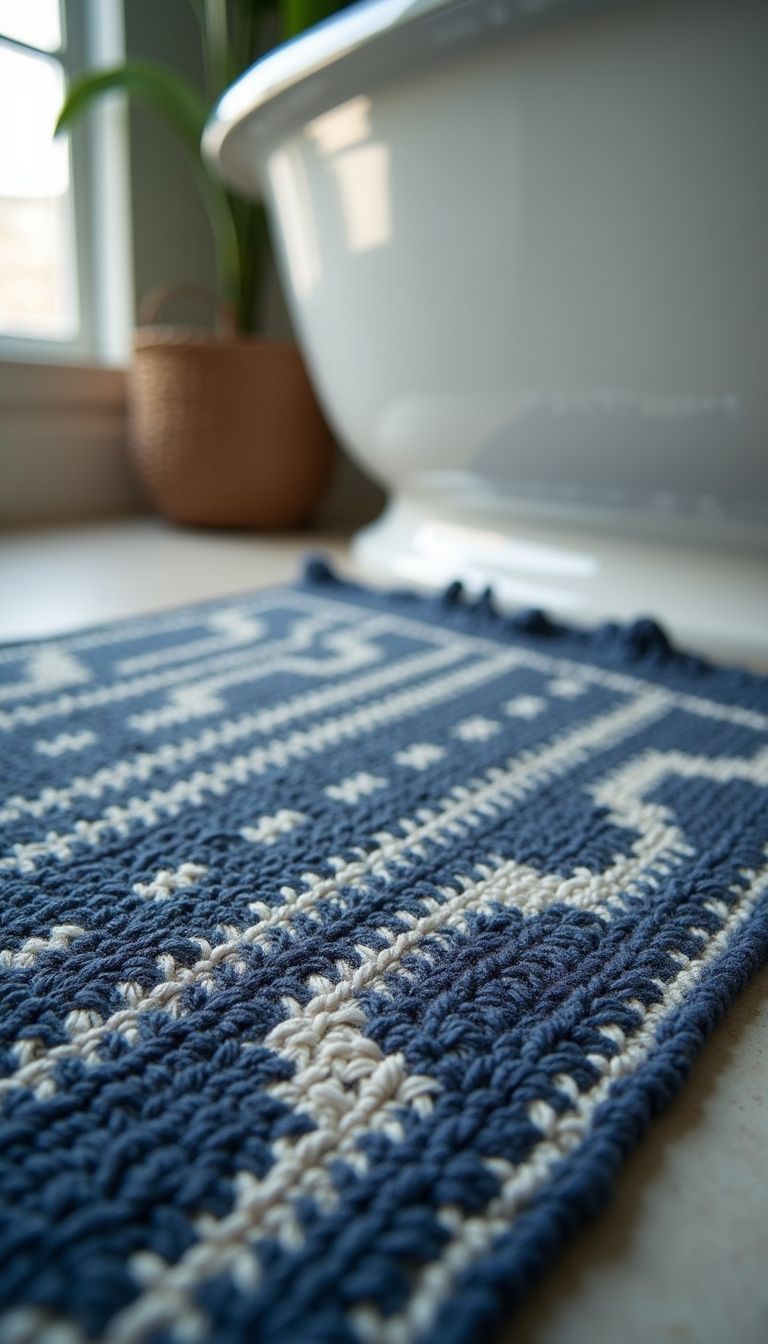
(38, 293)
(64, 255)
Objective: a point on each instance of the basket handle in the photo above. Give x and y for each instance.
(158, 296)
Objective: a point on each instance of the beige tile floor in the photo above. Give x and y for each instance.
(681, 1255)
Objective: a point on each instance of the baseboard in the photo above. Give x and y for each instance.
(63, 444)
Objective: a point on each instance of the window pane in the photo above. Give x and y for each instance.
(36, 22)
(37, 268)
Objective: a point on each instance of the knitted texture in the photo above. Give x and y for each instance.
(349, 941)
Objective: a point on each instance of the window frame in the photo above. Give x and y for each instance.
(99, 210)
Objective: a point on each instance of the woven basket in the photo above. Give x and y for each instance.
(225, 429)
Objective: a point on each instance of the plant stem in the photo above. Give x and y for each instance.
(239, 227)
(226, 242)
(216, 46)
(252, 241)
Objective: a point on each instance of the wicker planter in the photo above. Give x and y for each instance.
(226, 431)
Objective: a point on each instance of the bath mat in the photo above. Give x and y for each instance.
(349, 941)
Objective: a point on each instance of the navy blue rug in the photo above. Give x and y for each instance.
(348, 944)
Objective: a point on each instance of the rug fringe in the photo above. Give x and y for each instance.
(640, 640)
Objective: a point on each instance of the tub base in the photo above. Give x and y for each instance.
(709, 599)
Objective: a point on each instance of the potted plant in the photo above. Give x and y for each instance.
(223, 426)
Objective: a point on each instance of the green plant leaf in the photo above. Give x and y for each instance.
(173, 97)
(296, 15)
(185, 111)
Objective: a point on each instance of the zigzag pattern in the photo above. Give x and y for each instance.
(348, 941)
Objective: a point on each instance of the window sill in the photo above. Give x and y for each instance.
(63, 443)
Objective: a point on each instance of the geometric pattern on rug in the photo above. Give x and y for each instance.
(348, 943)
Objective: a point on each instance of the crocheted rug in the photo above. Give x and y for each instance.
(349, 942)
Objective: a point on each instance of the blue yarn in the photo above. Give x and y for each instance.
(321, 911)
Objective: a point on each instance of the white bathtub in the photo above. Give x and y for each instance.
(524, 247)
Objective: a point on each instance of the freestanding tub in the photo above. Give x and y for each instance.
(524, 244)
